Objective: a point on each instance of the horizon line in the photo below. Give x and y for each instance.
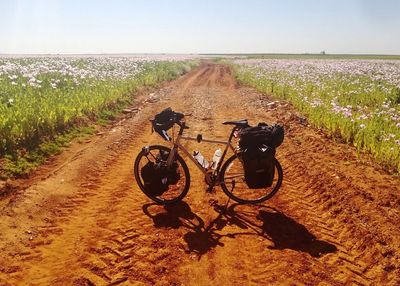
(173, 53)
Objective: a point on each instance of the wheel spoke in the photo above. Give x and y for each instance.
(232, 176)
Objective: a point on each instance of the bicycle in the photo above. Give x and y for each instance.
(229, 174)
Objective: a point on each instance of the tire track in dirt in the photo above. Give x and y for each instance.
(333, 222)
(68, 218)
(346, 197)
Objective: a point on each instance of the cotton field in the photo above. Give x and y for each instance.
(41, 96)
(357, 100)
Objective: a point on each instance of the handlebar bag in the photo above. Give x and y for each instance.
(164, 121)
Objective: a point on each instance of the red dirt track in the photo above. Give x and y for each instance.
(81, 219)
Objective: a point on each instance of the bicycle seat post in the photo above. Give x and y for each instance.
(232, 133)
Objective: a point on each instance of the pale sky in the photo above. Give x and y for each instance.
(202, 26)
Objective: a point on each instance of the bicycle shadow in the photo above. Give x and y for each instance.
(266, 222)
(174, 216)
(282, 230)
(199, 239)
(286, 233)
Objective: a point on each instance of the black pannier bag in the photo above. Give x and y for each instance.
(157, 177)
(278, 134)
(164, 121)
(154, 178)
(173, 174)
(263, 134)
(258, 153)
(259, 167)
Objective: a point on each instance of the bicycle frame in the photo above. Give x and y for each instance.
(177, 145)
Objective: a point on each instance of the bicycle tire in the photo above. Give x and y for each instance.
(277, 183)
(158, 199)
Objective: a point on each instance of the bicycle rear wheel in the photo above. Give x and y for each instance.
(234, 185)
(158, 154)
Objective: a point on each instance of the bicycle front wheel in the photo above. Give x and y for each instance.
(158, 154)
(234, 185)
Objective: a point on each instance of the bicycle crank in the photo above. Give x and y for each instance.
(210, 179)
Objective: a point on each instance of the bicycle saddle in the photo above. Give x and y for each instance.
(239, 123)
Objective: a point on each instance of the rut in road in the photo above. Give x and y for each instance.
(83, 220)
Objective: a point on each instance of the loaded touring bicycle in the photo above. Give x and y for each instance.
(251, 175)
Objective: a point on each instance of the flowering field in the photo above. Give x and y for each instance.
(359, 100)
(42, 96)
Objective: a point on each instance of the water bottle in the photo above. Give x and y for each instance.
(216, 158)
(200, 158)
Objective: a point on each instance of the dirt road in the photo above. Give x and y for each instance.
(81, 219)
